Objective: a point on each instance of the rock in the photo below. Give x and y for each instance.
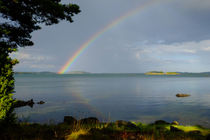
(69, 120)
(174, 129)
(20, 103)
(40, 102)
(90, 120)
(182, 95)
(175, 123)
(128, 125)
(120, 123)
(131, 126)
(195, 132)
(160, 128)
(161, 122)
(30, 103)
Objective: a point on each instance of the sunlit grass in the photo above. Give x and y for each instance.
(187, 129)
(80, 129)
(75, 134)
(193, 128)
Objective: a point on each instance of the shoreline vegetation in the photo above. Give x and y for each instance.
(92, 129)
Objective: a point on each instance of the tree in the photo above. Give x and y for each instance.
(19, 18)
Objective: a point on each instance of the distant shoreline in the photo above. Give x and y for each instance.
(152, 73)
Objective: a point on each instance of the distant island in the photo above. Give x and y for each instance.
(161, 73)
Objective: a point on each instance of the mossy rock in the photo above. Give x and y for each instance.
(175, 129)
(195, 132)
(175, 123)
(126, 125)
(161, 122)
(90, 120)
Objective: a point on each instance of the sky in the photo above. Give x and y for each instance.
(166, 35)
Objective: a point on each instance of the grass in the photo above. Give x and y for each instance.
(75, 134)
(187, 129)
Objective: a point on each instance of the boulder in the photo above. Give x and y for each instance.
(175, 123)
(195, 132)
(127, 125)
(120, 123)
(161, 122)
(40, 102)
(20, 103)
(69, 120)
(175, 129)
(90, 120)
(182, 95)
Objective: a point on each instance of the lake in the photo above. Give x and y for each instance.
(110, 97)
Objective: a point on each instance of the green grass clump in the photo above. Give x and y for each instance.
(187, 129)
(76, 134)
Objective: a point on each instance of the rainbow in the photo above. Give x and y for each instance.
(66, 67)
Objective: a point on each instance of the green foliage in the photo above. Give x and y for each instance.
(203, 131)
(19, 18)
(6, 85)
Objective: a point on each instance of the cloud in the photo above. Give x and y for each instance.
(32, 61)
(174, 48)
(184, 56)
(206, 49)
(196, 4)
(24, 56)
(42, 66)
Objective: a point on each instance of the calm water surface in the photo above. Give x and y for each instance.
(133, 97)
